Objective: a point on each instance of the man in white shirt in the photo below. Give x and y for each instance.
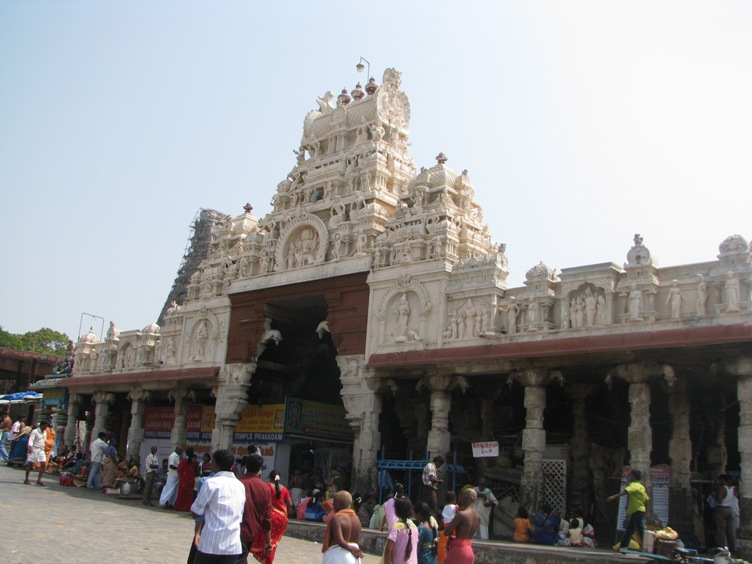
(170, 489)
(35, 453)
(150, 473)
(96, 454)
(221, 502)
(17, 427)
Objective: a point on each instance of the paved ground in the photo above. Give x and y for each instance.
(75, 525)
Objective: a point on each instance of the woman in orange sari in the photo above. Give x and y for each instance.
(281, 508)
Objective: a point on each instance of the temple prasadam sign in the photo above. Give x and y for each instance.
(486, 450)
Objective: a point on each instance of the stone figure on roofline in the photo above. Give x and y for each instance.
(702, 295)
(732, 292)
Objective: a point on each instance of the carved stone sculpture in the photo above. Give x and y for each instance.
(732, 293)
(702, 295)
(675, 299)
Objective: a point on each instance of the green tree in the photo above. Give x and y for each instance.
(45, 341)
(9, 340)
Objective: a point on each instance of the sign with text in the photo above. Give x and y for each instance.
(488, 449)
(158, 422)
(313, 419)
(194, 424)
(260, 423)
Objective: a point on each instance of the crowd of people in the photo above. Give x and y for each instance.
(221, 489)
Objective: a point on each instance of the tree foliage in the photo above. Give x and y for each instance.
(44, 341)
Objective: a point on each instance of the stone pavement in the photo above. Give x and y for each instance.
(75, 525)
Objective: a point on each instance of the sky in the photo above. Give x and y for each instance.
(580, 123)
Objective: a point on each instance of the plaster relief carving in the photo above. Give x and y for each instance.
(303, 241)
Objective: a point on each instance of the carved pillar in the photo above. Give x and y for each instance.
(680, 444)
(534, 435)
(363, 404)
(103, 401)
(680, 453)
(581, 488)
(640, 433)
(71, 427)
(439, 439)
(232, 398)
(717, 453)
(138, 397)
(741, 367)
(182, 398)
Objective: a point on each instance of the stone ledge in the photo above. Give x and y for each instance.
(485, 552)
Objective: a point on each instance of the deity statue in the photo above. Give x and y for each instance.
(202, 335)
(600, 310)
(702, 295)
(635, 302)
(675, 299)
(732, 292)
(513, 311)
(590, 303)
(403, 314)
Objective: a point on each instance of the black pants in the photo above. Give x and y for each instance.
(634, 524)
(203, 558)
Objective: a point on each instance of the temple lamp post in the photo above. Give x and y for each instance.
(359, 67)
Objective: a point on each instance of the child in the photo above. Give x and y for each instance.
(447, 514)
(575, 533)
(522, 527)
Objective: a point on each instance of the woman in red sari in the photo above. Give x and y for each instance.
(186, 480)
(281, 509)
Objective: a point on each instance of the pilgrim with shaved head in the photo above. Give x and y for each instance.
(464, 525)
(342, 533)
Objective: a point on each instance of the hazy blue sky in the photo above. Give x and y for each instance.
(581, 123)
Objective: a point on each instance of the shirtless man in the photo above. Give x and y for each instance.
(464, 525)
(342, 534)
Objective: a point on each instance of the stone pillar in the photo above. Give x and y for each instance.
(182, 398)
(534, 435)
(139, 397)
(363, 404)
(103, 401)
(439, 439)
(490, 395)
(580, 494)
(717, 452)
(71, 427)
(232, 398)
(640, 433)
(741, 367)
(681, 509)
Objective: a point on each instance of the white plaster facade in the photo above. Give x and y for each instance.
(441, 318)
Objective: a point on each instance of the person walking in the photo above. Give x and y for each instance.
(151, 465)
(281, 508)
(256, 526)
(342, 533)
(221, 502)
(170, 489)
(36, 455)
(464, 525)
(636, 506)
(96, 454)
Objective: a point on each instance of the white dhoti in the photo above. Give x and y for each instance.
(169, 492)
(338, 555)
(36, 455)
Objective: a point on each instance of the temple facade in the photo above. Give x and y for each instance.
(369, 310)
